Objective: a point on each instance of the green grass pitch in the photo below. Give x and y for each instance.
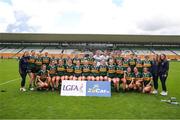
(35, 104)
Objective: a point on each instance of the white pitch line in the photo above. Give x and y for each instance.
(9, 81)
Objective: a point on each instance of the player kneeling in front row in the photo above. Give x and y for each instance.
(147, 81)
(138, 80)
(52, 73)
(129, 77)
(111, 74)
(60, 71)
(120, 69)
(42, 78)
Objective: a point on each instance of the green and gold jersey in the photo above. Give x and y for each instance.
(38, 62)
(94, 70)
(119, 58)
(120, 69)
(43, 74)
(111, 69)
(103, 70)
(52, 69)
(54, 59)
(82, 61)
(147, 76)
(31, 61)
(147, 63)
(78, 69)
(70, 68)
(132, 62)
(86, 69)
(129, 76)
(125, 64)
(139, 65)
(65, 60)
(45, 60)
(90, 60)
(138, 76)
(61, 70)
(75, 60)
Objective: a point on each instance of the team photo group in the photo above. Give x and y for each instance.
(125, 72)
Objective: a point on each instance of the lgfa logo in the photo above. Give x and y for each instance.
(73, 88)
(96, 89)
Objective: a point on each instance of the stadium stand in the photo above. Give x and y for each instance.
(14, 44)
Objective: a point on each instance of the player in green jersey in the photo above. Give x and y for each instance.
(53, 58)
(120, 74)
(42, 78)
(32, 69)
(52, 73)
(77, 71)
(75, 59)
(69, 70)
(86, 71)
(38, 62)
(94, 71)
(147, 81)
(125, 62)
(132, 61)
(111, 74)
(103, 71)
(60, 71)
(139, 64)
(46, 59)
(129, 76)
(138, 80)
(90, 59)
(147, 63)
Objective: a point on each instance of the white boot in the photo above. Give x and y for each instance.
(164, 93)
(154, 91)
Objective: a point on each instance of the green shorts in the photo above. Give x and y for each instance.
(69, 74)
(52, 75)
(77, 75)
(111, 75)
(128, 82)
(103, 74)
(94, 74)
(60, 74)
(119, 76)
(86, 74)
(146, 82)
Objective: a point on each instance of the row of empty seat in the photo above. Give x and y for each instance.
(55, 50)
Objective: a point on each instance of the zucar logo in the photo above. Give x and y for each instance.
(96, 89)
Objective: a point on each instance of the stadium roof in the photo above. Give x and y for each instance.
(90, 38)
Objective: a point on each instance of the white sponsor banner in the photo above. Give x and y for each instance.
(73, 88)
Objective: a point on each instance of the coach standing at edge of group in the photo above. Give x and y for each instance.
(23, 65)
(163, 73)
